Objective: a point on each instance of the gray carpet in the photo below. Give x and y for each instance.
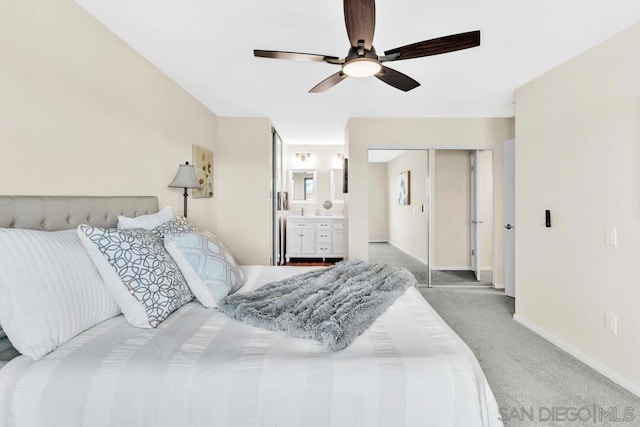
(384, 252)
(460, 278)
(523, 369)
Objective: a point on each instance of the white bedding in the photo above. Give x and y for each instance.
(200, 368)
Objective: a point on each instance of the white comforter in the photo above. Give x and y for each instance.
(200, 368)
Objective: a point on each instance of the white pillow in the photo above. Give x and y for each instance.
(142, 277)
(148, 222)
(209, 268)
(50, 290)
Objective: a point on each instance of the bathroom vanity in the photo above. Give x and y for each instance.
(315, 237)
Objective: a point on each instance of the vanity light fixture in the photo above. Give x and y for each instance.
(185, 178)
(303, 156)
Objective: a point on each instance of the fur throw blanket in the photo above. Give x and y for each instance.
(333, 305)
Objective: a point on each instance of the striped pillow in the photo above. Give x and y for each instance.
(49, 290)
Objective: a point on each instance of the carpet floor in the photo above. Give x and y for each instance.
(460, 278)
(384, 252)
(535, 382)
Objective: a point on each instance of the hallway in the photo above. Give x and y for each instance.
(387, 253)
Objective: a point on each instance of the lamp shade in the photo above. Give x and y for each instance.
(186, 177)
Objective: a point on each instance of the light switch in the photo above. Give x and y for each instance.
(610, 236)
(611, 323)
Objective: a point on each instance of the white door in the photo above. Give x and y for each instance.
(509, 187)
(475, 256)
(307, 241)
(338, 242)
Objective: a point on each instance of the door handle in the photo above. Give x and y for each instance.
(508, 226)
(478, 222)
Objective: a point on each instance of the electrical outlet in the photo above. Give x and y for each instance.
(611, 323)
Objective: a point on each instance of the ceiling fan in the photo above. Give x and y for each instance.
(362, 59)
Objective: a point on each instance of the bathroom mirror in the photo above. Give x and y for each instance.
(303, 185)
(336, 177)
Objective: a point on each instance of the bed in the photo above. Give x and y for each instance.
(200, 368)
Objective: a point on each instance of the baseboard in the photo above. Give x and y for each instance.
(378, 241)
(498, 285)
(587, 360)
(463, 268)
(426, 263)
(457, 268)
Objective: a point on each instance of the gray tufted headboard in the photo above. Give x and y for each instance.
(64, 212)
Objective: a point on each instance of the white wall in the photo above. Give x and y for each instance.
(578, 154)
(363, 134)
(244, 214)
(408, 224)
(323, 159)
(81, 113)
(378, 202)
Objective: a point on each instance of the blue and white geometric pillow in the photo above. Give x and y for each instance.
(144, 280)
(209, 268)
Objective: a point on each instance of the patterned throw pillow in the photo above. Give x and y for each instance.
(142, 277)
(177, 225)
(206, 264)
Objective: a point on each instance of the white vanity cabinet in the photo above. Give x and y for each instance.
(315, 237)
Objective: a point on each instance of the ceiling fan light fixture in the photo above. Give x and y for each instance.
(362, 67)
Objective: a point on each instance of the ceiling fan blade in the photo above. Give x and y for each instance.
(329, 82)
(397, 79)
(296, 56)
(437, 46)
(360, 19)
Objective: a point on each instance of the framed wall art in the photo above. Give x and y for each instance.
(203, 162)
(403, 189)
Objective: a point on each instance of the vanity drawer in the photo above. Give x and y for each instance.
(323, 236)
(338, 225)
(296, 223)
(323, 249)
(323, 225)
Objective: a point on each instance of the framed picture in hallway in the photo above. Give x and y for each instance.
(403, 190)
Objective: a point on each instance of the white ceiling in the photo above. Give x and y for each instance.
(207, 47)
(383, 156)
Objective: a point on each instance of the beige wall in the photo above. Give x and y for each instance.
(451, 210)
(578, 154)
(408, 224)
(362, 134)
(451, 195)
(378, 202)
(244, 193)
(485, 208)
(81, 113)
